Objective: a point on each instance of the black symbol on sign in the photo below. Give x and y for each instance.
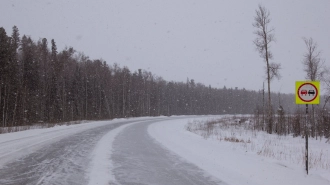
(311, 92)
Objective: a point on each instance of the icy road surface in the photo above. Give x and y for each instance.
(139, 160)
(105, 152)
(54, 157)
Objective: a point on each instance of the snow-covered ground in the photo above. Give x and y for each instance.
(254, 158)
(257, 158)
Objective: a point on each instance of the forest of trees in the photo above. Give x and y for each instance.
(39, 84)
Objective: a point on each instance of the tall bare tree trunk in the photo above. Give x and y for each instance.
(269, 113)
(3, 109)
(129, 96)
(262, 43)
(1, 101)
(86, 102)
(263, 106)
(123, 100)
(15, 108)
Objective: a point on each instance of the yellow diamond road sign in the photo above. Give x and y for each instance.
(307, 92)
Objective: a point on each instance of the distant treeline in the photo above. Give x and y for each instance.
(38, 83)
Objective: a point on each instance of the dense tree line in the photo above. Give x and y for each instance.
(38, 83)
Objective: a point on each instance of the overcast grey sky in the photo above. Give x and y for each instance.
(210, 41)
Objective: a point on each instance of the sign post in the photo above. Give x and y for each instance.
(306, 138)
(307, 92)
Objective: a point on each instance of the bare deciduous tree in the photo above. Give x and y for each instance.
(313, 66)
(265, 36)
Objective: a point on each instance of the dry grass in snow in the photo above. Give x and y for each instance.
(286, 149)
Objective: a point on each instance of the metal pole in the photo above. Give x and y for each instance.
(306, 136)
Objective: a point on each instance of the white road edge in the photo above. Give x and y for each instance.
(101, 165)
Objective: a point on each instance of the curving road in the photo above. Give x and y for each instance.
(139, 160)
(136, 157)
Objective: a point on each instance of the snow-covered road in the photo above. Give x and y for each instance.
(56, 156)
(137, 151)
(116, 152)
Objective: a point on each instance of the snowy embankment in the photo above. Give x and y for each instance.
(255, 158)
